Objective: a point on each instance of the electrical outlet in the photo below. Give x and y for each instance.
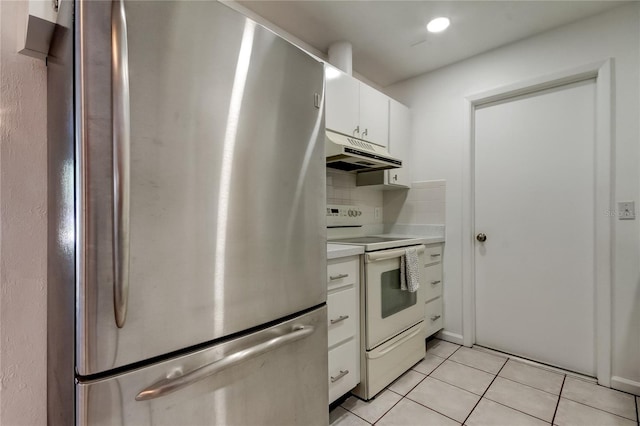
(626, 210)
(376, 213)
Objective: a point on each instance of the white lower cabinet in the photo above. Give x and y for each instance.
(433, 320)
(343, 307)
(343, 369)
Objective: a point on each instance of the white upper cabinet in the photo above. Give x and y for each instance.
(374, 115)
(342, 102)
(399, 142)
(399, 146)
(355, 109)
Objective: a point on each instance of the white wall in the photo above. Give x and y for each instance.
(439, 114)
(23, 227)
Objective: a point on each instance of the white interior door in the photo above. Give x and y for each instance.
(534, 200)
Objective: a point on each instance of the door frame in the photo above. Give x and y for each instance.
(602, 71)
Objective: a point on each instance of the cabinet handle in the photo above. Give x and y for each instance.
(356, 130)
(435, 317)
(339, 319)
(339, 376)
(338, 277)
(365, 133)
(435, 255)
(435, 282)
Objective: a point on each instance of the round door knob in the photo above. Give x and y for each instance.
(481, 237)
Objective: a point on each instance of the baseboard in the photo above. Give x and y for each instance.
(625, 385)
(450, 337)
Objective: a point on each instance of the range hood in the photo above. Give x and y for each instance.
(355, 155)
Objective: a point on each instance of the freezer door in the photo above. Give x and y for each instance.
(201, 178)
(253, 380)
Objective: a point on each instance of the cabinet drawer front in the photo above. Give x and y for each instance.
(433, 254)
(433, 280)
(433, 317)
(342, 315)
(390, 360)
(342, 272)
(344, 373)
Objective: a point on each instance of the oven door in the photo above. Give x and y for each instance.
(389, 310)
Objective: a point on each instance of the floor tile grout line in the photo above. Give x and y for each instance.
(400, 395)
(432, 409)
(415, 371)
(429, 375)
(457, 349)
(421, 380)
(386, 412)
(458, 387)
(470, 366)
(483, 394)
(361, 418)
(356, 414)
(416, 385)
(596, 408)
(600, 386)
(539, 365)
(405, 395)
(532, 387)
(517, 409)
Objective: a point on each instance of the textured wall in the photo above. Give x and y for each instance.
(23, 171)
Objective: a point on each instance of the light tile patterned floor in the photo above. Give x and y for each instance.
(455, 385)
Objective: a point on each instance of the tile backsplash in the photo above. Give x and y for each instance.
(423, 204)
(419, 210)
(342, 189)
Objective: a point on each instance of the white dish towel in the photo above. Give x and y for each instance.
(409, 273)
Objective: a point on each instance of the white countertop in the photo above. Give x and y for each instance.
(335, 251)
(424, 240)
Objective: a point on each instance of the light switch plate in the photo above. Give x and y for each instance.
(626, 210)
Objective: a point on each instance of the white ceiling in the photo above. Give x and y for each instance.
(390, 40)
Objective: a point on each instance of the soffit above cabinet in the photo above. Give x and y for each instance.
(389, 38)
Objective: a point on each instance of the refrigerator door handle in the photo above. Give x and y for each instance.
(121, 159)
(172, 384)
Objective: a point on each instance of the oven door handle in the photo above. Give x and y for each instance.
(377, 256)
(375, 355)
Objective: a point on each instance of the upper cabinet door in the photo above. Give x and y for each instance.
(342, 108)
(399, 142)
(374, 115)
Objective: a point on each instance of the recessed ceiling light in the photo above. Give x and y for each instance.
(438, 24)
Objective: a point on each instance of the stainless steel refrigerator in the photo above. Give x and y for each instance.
(187, 254)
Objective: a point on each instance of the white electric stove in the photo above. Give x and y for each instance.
(392, 320)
